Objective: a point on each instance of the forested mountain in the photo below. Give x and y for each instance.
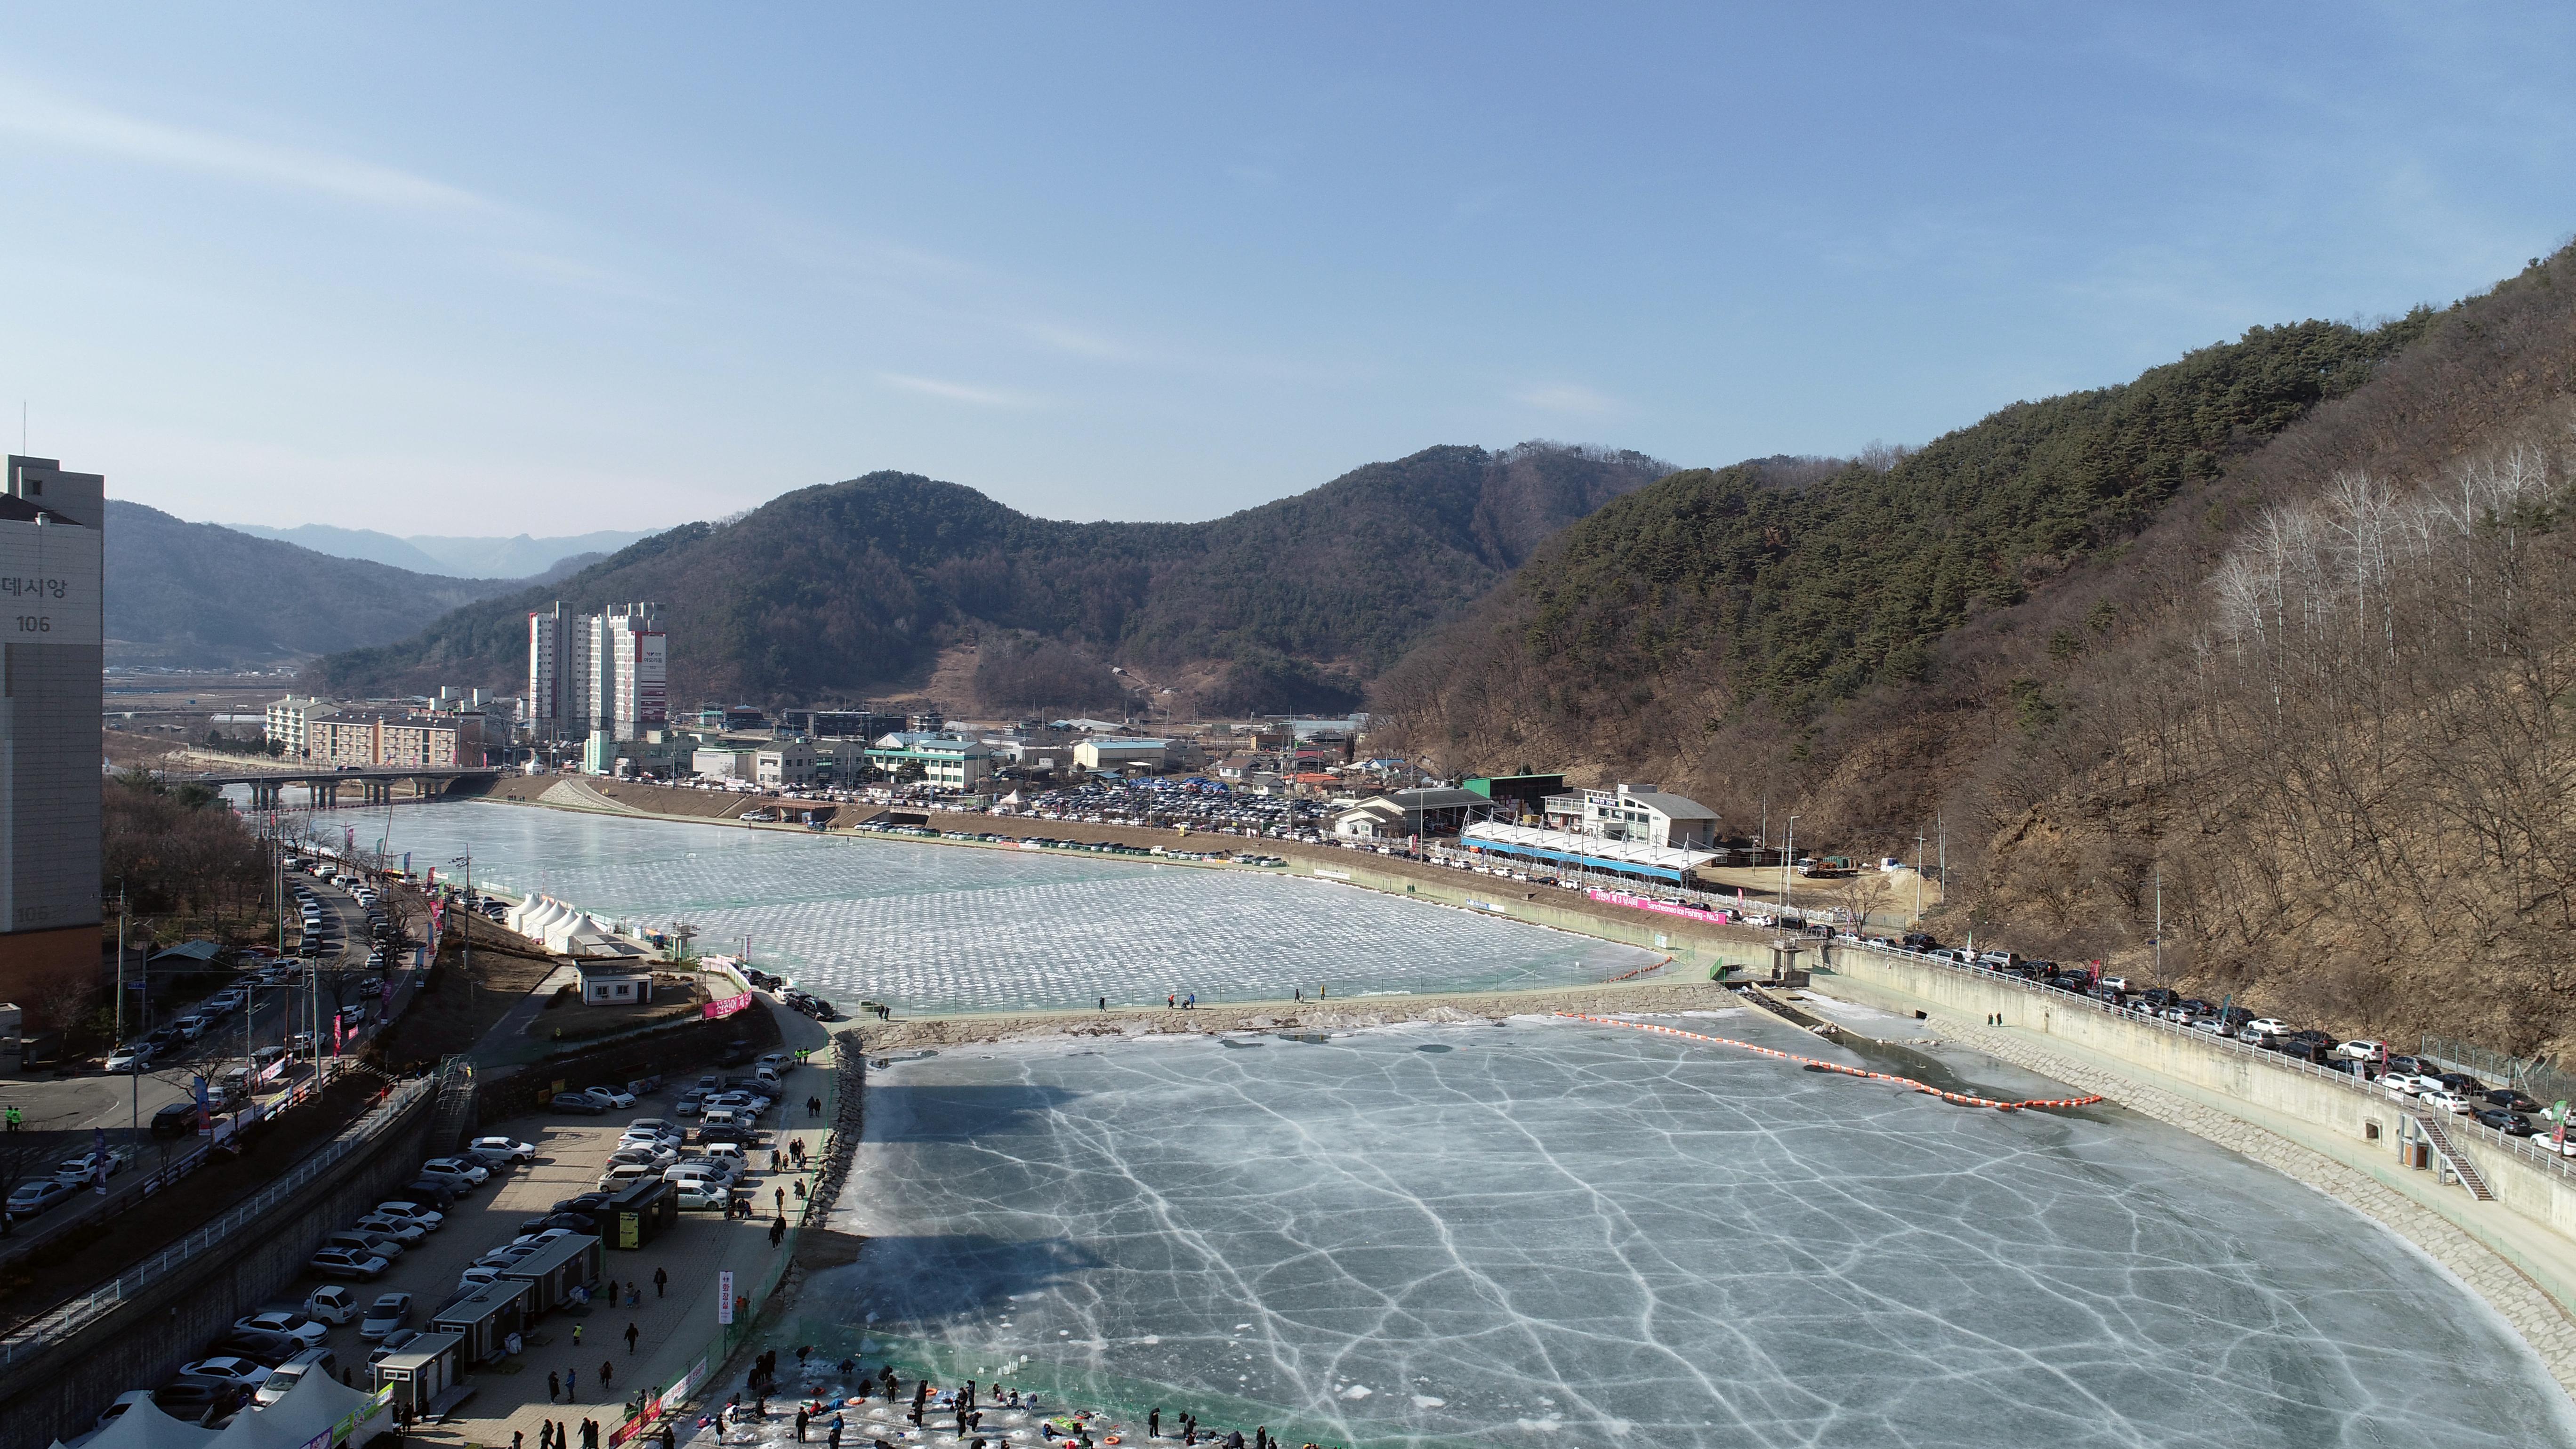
(519, 557)
(855, 588)
(198, 595)
(2287, 625)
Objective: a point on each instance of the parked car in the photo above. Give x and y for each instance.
(267, 1349)
(78, 1171)
(419, 1214)
(388, 1313)
(401, 1230)
(2512, 1101)
(359, 1240)
(225, 1371)
(132, 1058)
(652, 1124)
(702, 1195)
(331, 1303)
(2360, 1051)
(501, 1149)
(2511, 1124)
(2462, 1083)
(580, 1104)
(285, 1376)
(342, 1263)
(649, 1155)
(117, 1406)
(613, 1097)
(568, 1221)
(305, 1330)
(28, 1199)
(199, 1401)
(621, 1174)
(2442, 1101)
(481, 1275)
(458, 1169)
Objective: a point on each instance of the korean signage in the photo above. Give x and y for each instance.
(726, 1007)
(724, 1296)
(49, 584)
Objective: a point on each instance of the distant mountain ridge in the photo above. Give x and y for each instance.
(855, 588)
(200, 595)
(456, 556)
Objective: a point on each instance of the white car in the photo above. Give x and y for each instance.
(2397, 1084)
(502, 1149)
(2443, 1100)
(651, 1124)
(702, 1195)
(77, 1170)
(478, 1276)
(306, 1331)
(2358, 1051)
(643, 1154)
(418, 1213)
(129, 1058)
(620, 1174)
(401, 1230)
(615, 1098)
(226, 1370)
(2265, 1026)
(456, 1169)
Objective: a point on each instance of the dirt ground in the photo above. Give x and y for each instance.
(446, 1017)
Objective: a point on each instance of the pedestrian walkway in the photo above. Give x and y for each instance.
(675, 1325)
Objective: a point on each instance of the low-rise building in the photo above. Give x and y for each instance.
(369, 739)
(723, 762)
(1115, 753)
(790, 766)
(944, 762)
(1434, 810)
(1634, 812)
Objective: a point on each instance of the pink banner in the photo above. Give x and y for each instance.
(726, 1007)
(1648, 903)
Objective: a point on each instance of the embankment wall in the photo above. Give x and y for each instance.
(56, 1393)
(2225, 1076)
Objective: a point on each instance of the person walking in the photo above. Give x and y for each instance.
(800, 1423)
(1169, 1001)
(780, 1194)
(661, 1279)
(554, 1386)
(607, 1371)
(572, 1378)
(631, 1336)
(835, 1437)
(576, 1335)
(17, 1119)
(778, 1231)
(1104, 1003)
(1154, 1423)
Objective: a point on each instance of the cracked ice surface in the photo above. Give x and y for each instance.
(1570, 1235)
(943, 928)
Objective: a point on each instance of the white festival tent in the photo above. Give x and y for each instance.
(313, 1408)
(145, 1426)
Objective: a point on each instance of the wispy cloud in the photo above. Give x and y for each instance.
(959, 392)
(38, 116)
(1568, 397)
(1082, 344)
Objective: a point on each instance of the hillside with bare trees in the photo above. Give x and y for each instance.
(2314, 685)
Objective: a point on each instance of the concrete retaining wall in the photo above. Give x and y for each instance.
(57, 1394)
(2535, 1191)
(1692, 944)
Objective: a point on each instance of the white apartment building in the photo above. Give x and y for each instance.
(1634, 812)
(608, 670)
(289, 721)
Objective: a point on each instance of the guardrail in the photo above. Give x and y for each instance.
(70, 1318)
(2525, 1148)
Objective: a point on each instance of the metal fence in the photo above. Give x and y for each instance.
(2534, 1151)
(2533, 1074)
(70, 1318)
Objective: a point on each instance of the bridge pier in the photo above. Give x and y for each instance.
(265, 794)
(325, 793)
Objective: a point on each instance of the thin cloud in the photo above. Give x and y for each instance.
(1082, 344)
(38, 116)
(958, 392)
(1568, 397)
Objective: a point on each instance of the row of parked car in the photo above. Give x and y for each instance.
(2423, 1081)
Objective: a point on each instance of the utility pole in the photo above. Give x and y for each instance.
(1918, 875)
(2159, 938)
(1787, 849)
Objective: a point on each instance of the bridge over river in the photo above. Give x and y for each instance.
(376, 784)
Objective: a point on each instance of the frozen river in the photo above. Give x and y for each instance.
(948, 928)
(1567, 1235)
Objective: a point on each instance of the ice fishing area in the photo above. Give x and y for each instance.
(1554, 1233)
(937, 928)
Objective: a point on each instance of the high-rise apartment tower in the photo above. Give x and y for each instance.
(51, 563)
(605, 671)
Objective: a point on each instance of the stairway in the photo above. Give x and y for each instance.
(453, 1119)
(2451, 1158)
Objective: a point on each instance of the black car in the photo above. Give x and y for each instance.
(259, 1345)
(2511, 1124)
(2462, 1083)
(191, 1402)
(179, 1119)
(578, 1105)
(2160, 997)
(437, 1194)
(2512, 1101)
(579, 1222)
(586, 1203)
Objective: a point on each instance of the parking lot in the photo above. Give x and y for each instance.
(673, 1321)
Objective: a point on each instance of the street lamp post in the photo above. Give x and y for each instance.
(1788, 849)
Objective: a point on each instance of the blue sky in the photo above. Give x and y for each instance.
(463, 269)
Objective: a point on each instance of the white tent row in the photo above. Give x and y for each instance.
(566, 929)
(317, 1405)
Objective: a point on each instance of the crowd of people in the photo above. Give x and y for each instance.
(985, 1416)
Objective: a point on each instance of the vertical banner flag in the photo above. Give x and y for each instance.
(348, 840)
(724, 1296)
(204, 1112)
(98, 1160)
(335, 1032)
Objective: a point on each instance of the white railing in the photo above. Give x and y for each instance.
(2525, 1148)
(70, 1318)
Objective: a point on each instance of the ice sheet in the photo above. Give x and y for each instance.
(932, 927)
(1571, 1235)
